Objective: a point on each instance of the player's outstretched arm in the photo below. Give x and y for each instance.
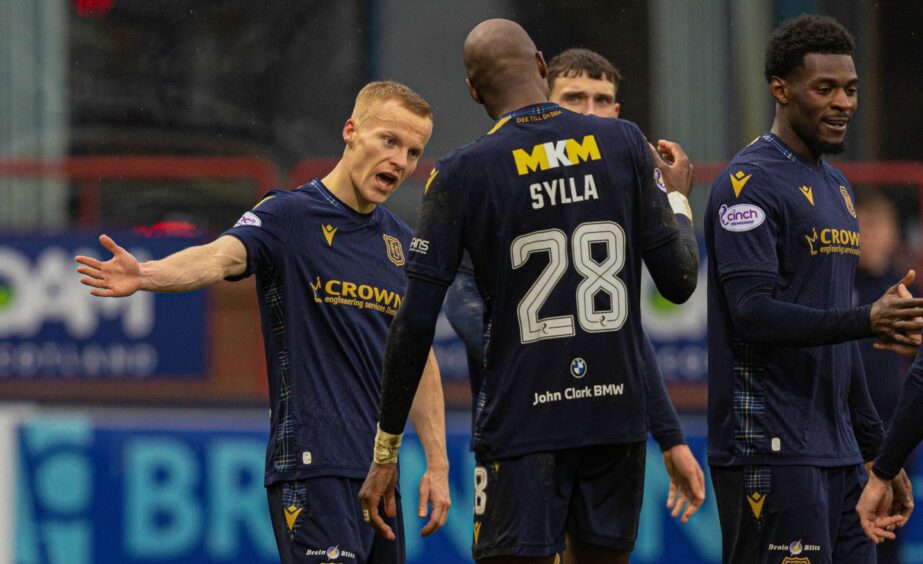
(428, 417)
(189, 269)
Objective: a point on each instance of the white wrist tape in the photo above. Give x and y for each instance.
(387, 446)
(680, 204)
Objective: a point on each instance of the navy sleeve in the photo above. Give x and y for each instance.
(406, 351)
(439, 240)
(906, 430)
(865, 421)
(464, 308)
(263, 230)
(658, 222)
(760, 318)
(748, 219)
(674, 266)
(661, 417)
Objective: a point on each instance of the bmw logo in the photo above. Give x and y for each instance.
(578, 367)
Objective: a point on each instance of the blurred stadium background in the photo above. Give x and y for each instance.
(133, 431)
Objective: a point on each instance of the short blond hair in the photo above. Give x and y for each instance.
(380, 91)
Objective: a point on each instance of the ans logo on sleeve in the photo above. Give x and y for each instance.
(740, 217)
(249, 219)
(554, 154)
(418, 245)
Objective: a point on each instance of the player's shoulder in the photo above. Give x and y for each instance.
(836, 173)
(750, 171)
(392, 223)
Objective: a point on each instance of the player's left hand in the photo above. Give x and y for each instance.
(379, 484)
(903, 350)
(674, 165)
(903, 497)
(873, 508)
(687, 482)
(434, 491)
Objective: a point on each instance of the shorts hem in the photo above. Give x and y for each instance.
(531, 551)
(620, 544)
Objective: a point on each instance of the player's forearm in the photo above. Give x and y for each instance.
(406, 352)
(195, 267)
(464, 308)
(674, 267)
(663, 422)
(427, 414)
(866, 423)
(760, 318)
(906, 430)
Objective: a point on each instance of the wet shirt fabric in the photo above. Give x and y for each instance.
(771, 213)
(555, 210)
(329, 281)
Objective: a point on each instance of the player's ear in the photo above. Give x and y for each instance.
(473, 92)
(542, 66)
(778, 87)
(349, 131)
(617, 108)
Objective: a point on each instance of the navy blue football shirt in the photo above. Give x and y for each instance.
(772, 213)
(555, 209)
(329, 281)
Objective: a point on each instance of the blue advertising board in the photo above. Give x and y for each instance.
(188, 489)
(52, 328)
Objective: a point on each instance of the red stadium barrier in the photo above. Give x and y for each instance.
(90, 171)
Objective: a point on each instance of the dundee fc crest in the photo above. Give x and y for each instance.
(394, 249)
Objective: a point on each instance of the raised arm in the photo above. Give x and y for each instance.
(428, 417)
(674, 266)
(189, 269)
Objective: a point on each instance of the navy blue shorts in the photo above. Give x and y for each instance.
(320, 520)
(791, 514)
(524, 506)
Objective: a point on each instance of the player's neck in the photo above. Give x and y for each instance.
(512, 100)
(783, 130)
(340, 184)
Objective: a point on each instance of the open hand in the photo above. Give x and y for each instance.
(687, 482)
(118, 277)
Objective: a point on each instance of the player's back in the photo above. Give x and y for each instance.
(554, 210)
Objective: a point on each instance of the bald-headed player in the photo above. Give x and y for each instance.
(329, 262)
(585, 82)
(557, 211)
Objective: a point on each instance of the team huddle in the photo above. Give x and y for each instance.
(532, 238)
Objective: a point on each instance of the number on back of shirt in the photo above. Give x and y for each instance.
(598, 276)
